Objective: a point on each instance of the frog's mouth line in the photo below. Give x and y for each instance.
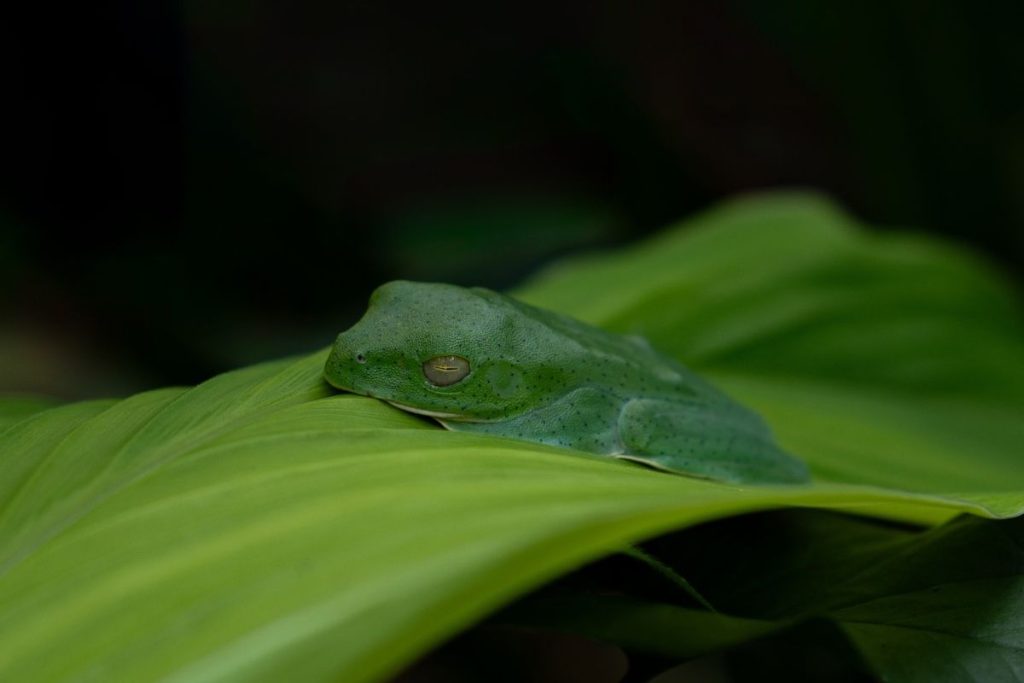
(428, 413)
(409, 409)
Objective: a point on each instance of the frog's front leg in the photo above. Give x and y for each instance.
(585, 419)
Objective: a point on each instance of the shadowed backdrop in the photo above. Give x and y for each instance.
(191, 187)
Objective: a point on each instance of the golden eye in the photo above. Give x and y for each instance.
(443, 371)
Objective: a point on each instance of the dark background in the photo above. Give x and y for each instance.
(193, 187)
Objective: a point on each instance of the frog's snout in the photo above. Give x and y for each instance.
(340, 369)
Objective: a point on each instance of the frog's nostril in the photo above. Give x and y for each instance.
(360, 358)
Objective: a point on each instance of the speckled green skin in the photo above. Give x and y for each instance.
(539, 376)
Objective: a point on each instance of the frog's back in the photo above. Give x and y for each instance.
(625, 361)
(672, 419)
(631, 401)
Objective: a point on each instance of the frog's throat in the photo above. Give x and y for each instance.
(455, 417)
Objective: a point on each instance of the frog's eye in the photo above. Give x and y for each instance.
(443, 371)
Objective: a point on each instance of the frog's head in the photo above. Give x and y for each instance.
(440, 350)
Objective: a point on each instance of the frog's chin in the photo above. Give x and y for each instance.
(437, 415)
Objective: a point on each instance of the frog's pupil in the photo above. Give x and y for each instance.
(443, 371)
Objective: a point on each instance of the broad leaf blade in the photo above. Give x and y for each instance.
(641, 625)
(258, 541)
(258, 527)
(882, 360)
(14, 409)
(949, 607)
(945, 604)
(787, 285)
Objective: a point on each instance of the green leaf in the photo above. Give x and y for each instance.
(640, 625)
(257, 527)
(786, 284)
(946, 604)
(884, 360)
(949, 606)
(17, 408)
